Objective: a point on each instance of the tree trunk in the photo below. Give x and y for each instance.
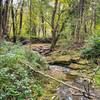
(21, 18)
(94, 16)
(81, 7)
(54, 30)
(5, 18)
(79, 21)
(54, 41)
(42, 23)
(13, 21)
(0, 19)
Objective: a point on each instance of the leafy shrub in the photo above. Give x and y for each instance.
(16, 80)
(93, 49)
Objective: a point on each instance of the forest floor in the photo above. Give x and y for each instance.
(66, 65)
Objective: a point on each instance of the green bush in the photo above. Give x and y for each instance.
(16, 80)
(92, 51)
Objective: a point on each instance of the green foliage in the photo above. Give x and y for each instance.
(93, 49)
(97, 78)
(16, 80)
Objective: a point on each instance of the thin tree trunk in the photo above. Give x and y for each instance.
(0, 19)
(5, 18)
(21, 17)
(42, 23)
(13, 21)
(94, 17)
(34, 29)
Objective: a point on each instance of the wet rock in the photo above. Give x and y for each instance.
(64, 93)
(57, 71)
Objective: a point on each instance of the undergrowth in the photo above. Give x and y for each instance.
(92, 50)
(92, 53)
(17, 82)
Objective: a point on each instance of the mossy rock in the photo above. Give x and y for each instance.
(75, 66)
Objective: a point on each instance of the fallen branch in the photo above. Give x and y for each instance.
(59, 81)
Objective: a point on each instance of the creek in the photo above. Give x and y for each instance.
(71, 75)
(66, 93)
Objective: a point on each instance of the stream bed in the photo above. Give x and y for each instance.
(69, 75)
(66, 93)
